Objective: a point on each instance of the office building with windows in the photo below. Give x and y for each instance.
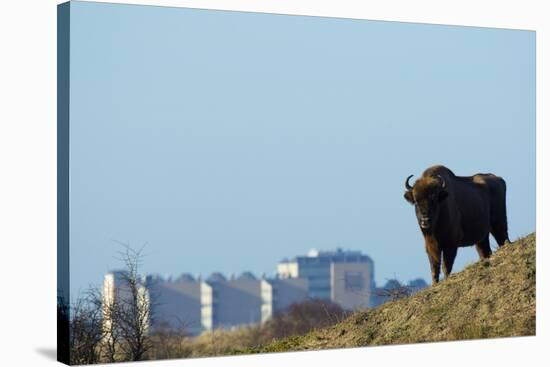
(344, 277)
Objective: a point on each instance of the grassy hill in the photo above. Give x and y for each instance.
(491, 298)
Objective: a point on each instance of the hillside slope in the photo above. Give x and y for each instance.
(492, 298)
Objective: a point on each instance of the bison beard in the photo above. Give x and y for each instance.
(457, 211)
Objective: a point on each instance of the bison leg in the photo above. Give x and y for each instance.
(449, 256)
(499, 220)
(434, 255)
(484, 248)
(500, 233)
(435, 264)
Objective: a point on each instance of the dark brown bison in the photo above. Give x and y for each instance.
(458, 211)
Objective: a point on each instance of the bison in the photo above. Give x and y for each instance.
(457, 211)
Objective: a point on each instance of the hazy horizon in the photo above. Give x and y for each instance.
(228, 141)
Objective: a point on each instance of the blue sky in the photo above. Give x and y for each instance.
(225, 141)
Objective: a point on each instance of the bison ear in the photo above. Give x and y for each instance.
(443, 195)
(409, 197)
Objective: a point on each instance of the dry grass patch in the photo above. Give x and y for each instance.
(488, 299)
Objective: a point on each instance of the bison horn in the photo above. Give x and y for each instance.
(443, 183)
(407, 185)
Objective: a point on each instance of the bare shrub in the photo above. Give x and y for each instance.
(127, 315)
(112, 326)
(169, 342)
(85, 331)
(301, 318)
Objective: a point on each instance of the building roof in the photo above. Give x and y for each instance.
(216, 277)
(246, 276)
(337, 255)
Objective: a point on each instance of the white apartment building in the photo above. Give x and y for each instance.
(193, 305)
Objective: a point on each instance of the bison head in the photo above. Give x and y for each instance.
(426, 195)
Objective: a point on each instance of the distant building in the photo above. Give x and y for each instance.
(287, 269)
(194, 305)
(230, 303)
(279, 294)
(345, 277)
(176, 302)
(117, 294)
(246, 300)
(351, 284)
